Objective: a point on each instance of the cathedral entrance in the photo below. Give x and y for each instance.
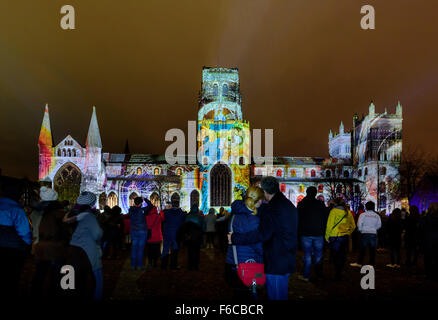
(220, 186)
(67, 182)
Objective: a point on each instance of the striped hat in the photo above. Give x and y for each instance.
(86, 198)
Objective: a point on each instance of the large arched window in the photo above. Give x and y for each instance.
(59, 152)
(194, 198)
(112, 200)
(175, 197)
(220, 186)
(155, 199)
(102, 200)
(132, 196)
(69, 152)
(215, 89)
(67, 182)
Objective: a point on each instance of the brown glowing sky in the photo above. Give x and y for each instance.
(305, 65)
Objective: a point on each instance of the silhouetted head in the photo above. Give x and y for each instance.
(11, 190)
(270, 187)
(371, 206)
(311, 192)
(175, 203)
(138, 201)
(116, 210)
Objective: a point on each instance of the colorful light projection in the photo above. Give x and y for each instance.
(45, 144)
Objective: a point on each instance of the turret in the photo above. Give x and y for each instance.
(330, 135)
(341, 128)
(45, 146)
(399, 110)
(372, 110)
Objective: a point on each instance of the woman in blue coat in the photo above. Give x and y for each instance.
(244, 219)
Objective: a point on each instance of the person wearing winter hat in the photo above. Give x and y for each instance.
(86, 238)
(46, 195)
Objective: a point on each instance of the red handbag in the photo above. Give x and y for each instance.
(250, 272)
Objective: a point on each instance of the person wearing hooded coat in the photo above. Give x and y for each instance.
(85, 252)
(245, 218)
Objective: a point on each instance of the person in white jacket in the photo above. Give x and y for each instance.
(368, 224)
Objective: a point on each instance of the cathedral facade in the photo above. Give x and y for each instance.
(363, 162)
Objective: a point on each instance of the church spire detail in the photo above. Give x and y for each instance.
(45, 138)
(93, 137)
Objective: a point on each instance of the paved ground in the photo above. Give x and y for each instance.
(207, 284)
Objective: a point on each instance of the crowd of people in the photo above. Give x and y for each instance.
(264, 228)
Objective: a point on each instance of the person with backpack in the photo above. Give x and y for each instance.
(368, 224)
(340, 225)
(138, 233)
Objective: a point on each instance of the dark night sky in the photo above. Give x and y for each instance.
(305, 65)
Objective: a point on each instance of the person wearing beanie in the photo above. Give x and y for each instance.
(15, 239)
(86, 239)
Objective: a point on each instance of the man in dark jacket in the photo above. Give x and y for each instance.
(15, 240)
(278, 233)
(173, 219)
(312, 215)
(138, 233)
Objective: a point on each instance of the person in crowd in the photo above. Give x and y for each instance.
(49, 251)
(368, 224)
(244, 218)
(210, 227)
(137, 218)
(193, 230)
(114, 232)
(154, 218)
(429, 230)
(127, 231)
(412, 236)
(103, 218)
(278, 233)
(85, 252)
(340, 225)
(15, 239)
(394, 230)
(312, 219)
(355, 236)
(222, 229)
(173, 219)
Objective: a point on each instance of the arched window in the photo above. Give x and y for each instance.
(383, 171)
(215, 89)
(59, 152)
(139, 171)
(241, 161)
(69, 152)
(67, 182)
(63, 152)
(313, 173)
(175, 197)
(328, 173)
(194, 198)
(102, 200)
(346, 174)
(357, 188)
(156, 171)
(293, 173)
(359, 173)
(320, 188)
(74, 152)
(339, 188)
(224, 90)
(155, 199)
(112, 200)
(220, 186)
(279, 173)
(132, 196)
(382, 187)
(366, 172)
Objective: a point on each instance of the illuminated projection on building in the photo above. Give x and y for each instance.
(224, 169)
